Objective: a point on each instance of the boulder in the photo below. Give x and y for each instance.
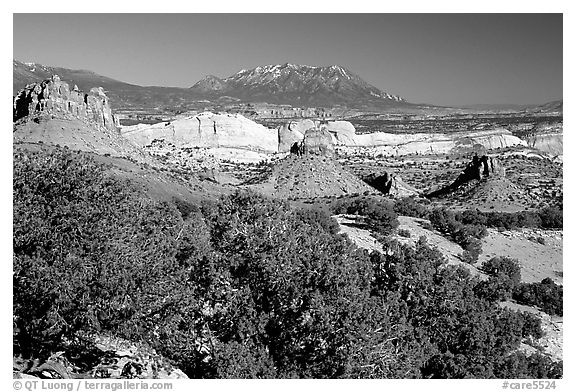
(54, 96)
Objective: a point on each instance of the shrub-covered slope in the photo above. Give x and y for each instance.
(243, 286)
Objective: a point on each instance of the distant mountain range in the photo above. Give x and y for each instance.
(549, 107)
(287, 84)
(302, 85)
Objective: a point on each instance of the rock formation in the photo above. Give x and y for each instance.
(343, 132)
(482, 167)
(292, 132)
(208, 130)
(318, 142)
(479, 168)
(55, 96)
(391, 144)
(390, 184)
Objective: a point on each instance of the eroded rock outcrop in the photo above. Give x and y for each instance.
(390, 184)
(479, 168)
(389, 144)
(343, 132)
(292, 132)
(207, 130)
(55, 96)
(318, 142)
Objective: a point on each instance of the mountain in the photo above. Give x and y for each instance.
(288, 84)
(298, 85)
(549, 107)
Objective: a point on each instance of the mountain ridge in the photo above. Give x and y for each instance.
(300, 84)
(296, 85)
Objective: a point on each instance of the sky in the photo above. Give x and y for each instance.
(440, 59)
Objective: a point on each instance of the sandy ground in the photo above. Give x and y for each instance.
(361, 237)
(537, 261)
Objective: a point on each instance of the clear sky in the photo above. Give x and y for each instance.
(442, 59)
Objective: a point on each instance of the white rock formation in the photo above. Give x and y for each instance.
(343, 132)
(389, 144)
(293, 132)
(207, 130)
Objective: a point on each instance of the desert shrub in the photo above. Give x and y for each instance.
(503, 266)
(90, 254)
(551, 218)
(471, 217)
(470, 257)
(547, 295)
(504, 276)
(244, 286)
(184, 207)
(519, 365)
(466, 235)
(443, 329)
(404, 233)
(407, 206)
(297, 287)
(532, 326)
(318, 216)
(379, 213)
(547, 218)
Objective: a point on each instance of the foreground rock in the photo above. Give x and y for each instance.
(109, 358)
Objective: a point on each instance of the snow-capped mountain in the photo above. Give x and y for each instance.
(287, 84)
(298, 85)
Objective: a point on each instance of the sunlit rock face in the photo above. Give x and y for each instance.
(54, 96)
(207, 130)
(292, 132)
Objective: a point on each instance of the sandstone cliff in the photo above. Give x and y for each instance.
(292, 132)
(388, 144)
(207, 130)
(55, 96)
(318, 142)
(343, 132)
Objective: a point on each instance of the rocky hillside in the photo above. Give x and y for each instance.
(310, 171)
(299, 85)
(50, 112)
(483, 184)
